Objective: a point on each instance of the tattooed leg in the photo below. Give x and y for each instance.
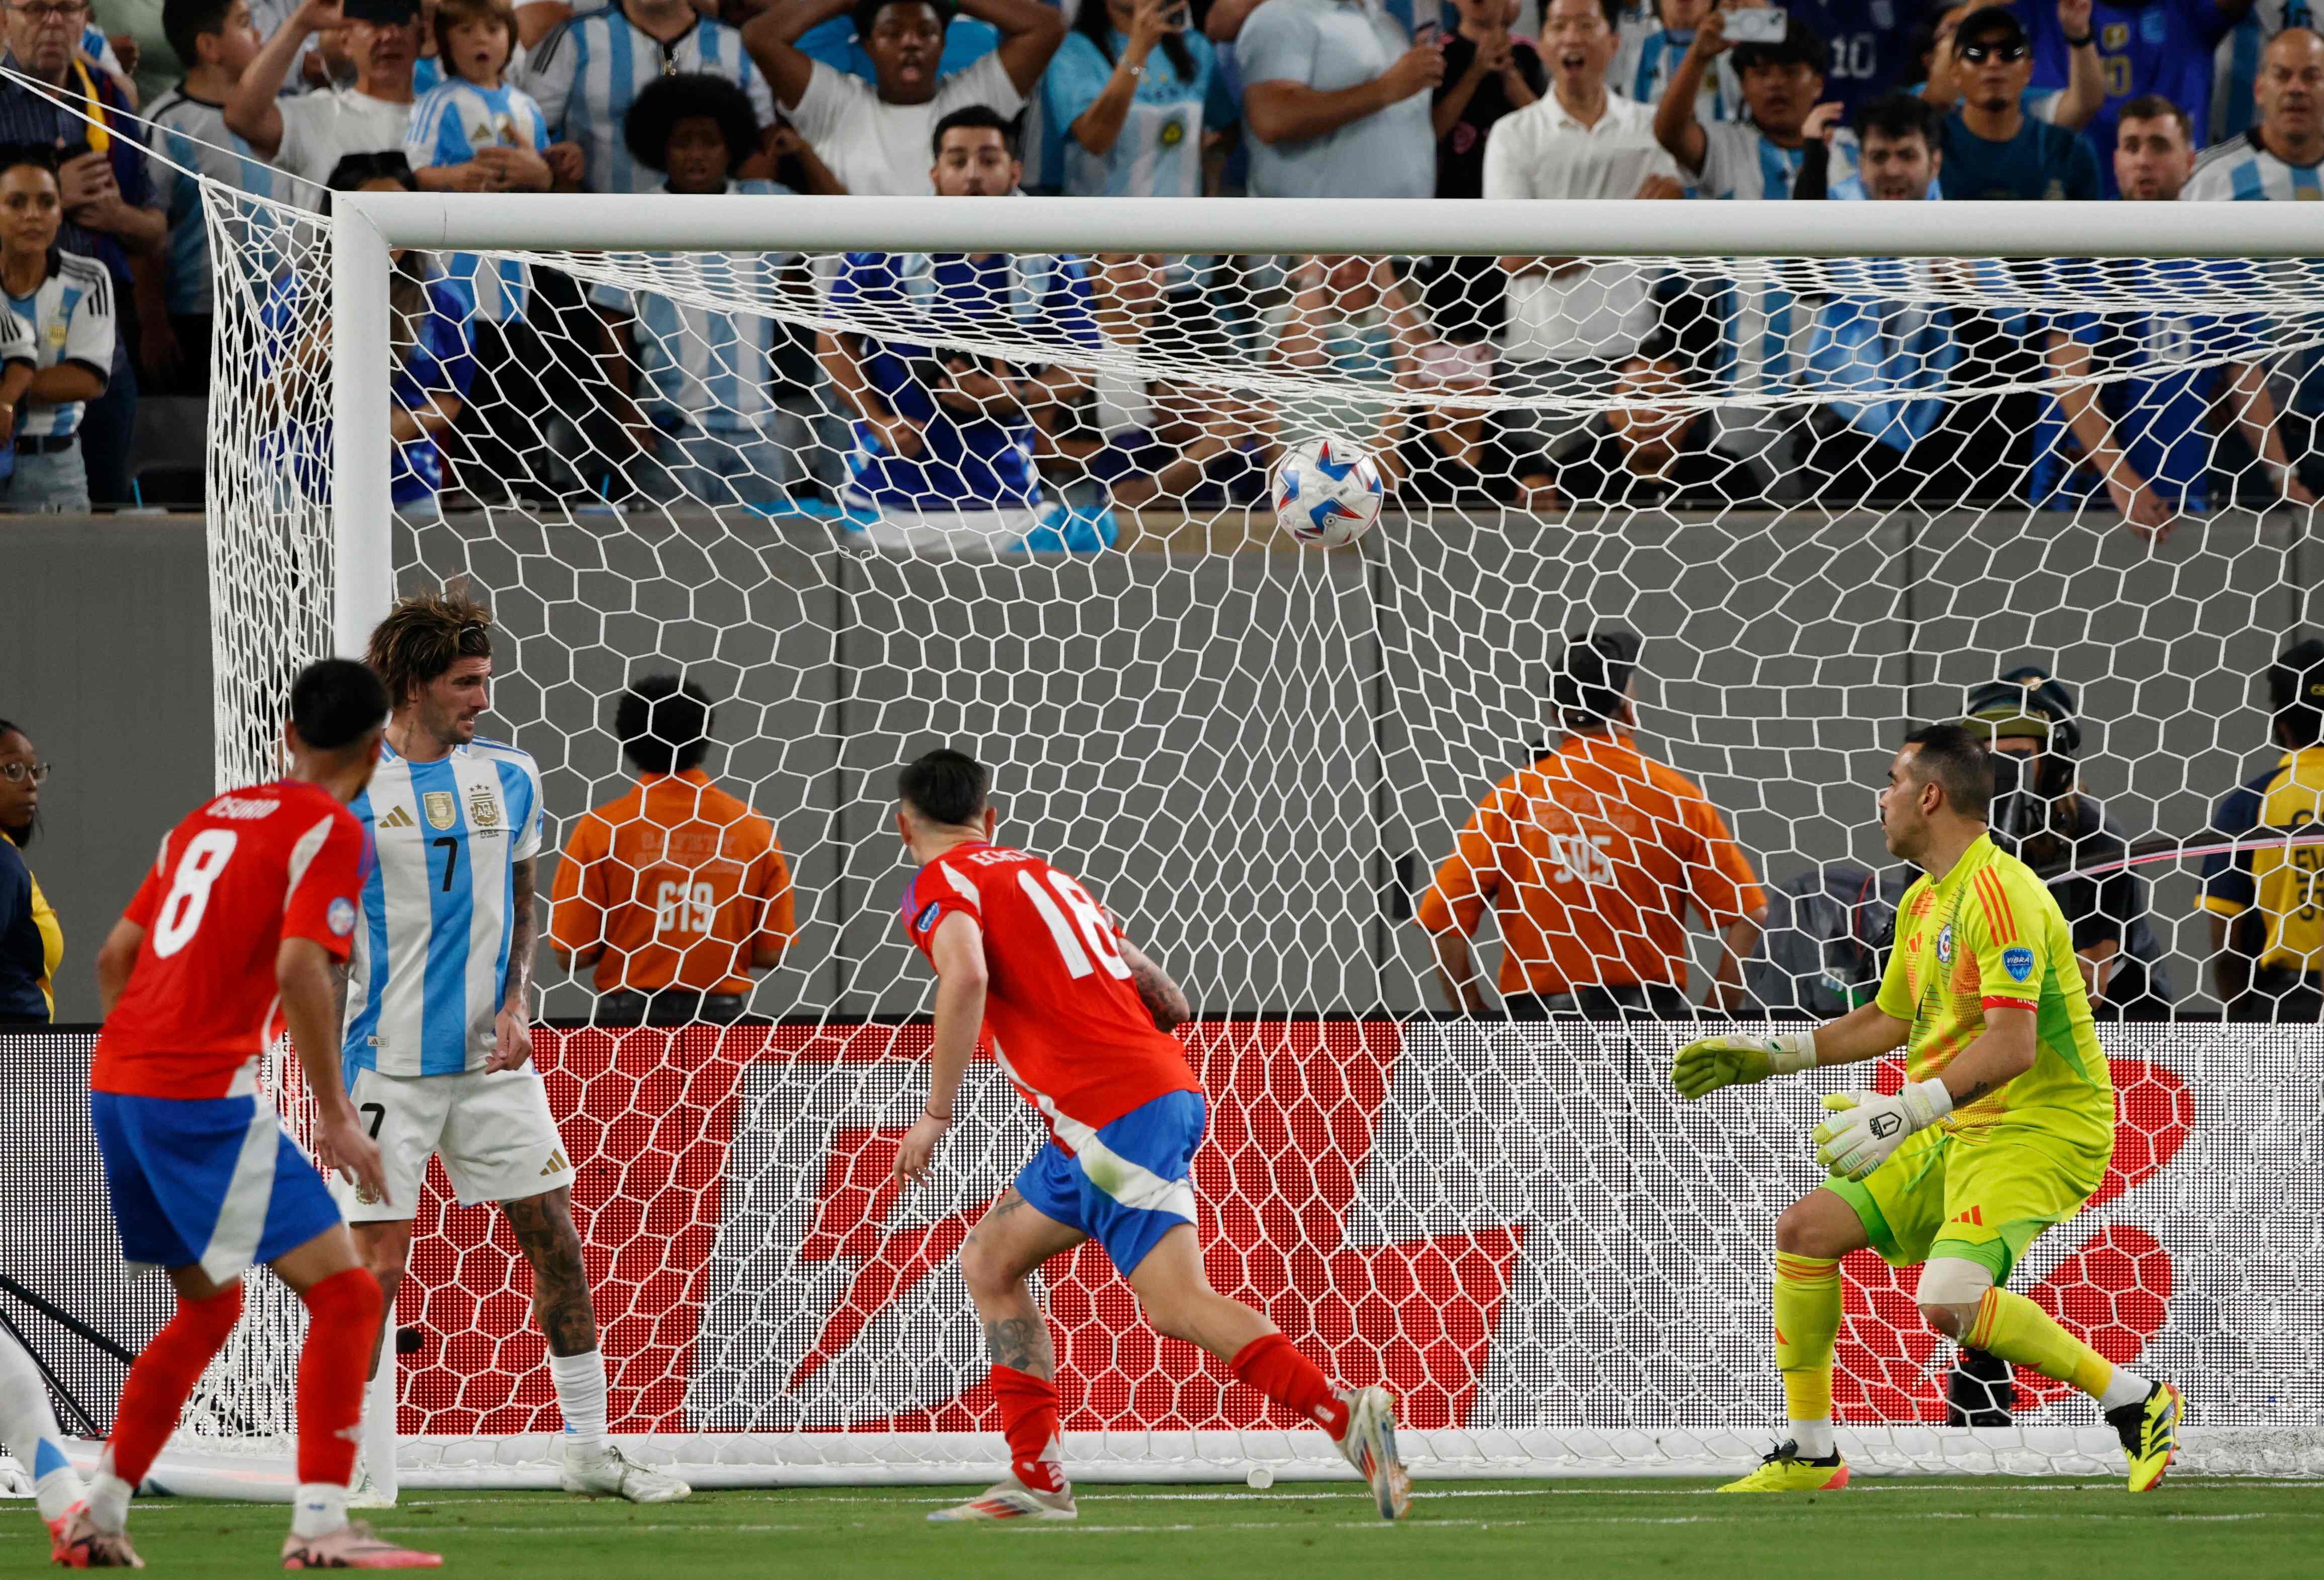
(1007, 1244)
(544, 1231)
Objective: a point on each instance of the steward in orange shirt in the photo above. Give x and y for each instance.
(1591, 860)
(676, 892)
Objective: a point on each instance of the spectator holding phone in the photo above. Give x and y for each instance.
(307, 136)
(1780, 64)
(1335, 97)
(1140, 101)
(1649, 55)
(111, 213)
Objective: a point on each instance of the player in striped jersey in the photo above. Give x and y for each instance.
(67, 302)
(1079, 1020)
(438, 1044)
(586, 75)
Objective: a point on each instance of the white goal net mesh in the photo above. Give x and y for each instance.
(873, 503)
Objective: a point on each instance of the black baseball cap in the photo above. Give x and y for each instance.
(2296, 679)
(1992, 24)
(1593, 673)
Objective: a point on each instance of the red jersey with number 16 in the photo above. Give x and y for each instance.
(234, 881)
(1064, 1019)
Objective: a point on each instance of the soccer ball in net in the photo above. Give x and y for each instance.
(1327, 492)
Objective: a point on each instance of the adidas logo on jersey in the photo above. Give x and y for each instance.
(399, 818)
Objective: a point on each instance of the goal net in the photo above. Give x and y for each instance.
(872, 496)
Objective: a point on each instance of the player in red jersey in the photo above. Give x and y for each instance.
(1079, 1020)
(230, 937)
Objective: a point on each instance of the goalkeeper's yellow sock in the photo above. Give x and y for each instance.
(2020, 1332)
(1807, 1327)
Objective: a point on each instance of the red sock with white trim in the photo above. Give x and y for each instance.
(1028, 1418)
(1274, 1365)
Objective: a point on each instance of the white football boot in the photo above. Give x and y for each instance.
(1369, 1445)
(1011, 1500)
(608, 1473)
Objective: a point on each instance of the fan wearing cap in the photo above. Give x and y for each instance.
(1591, 859)
(1781, 81)
(1992, 148)
(2042, 817)
(2267, 905)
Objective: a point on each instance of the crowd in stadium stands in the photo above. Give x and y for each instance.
(547, 387)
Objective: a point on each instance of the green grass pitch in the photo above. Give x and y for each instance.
(1878, 1529)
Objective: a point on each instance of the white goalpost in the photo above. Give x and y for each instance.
(1256, 755)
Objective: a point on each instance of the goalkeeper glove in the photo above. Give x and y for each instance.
(1870, 1127)
(1736, 1060)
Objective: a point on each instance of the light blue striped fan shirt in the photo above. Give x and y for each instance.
(587, 72)
(431, 948)
(449, 122)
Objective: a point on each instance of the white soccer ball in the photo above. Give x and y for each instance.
(1327, 492)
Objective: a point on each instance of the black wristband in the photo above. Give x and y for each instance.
(2075, 44)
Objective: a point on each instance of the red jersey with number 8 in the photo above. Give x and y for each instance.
(234, 881)
(1060, 1010)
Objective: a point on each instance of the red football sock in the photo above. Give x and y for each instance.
(1028, 1417)
(1274, 1365)
(343, 1316)
(164, 1375)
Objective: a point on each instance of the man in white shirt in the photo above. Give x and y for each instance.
(1570, 320)
(875, 136)
(307, 136)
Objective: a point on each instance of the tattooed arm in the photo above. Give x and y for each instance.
(513, 1033)
(1164, 999)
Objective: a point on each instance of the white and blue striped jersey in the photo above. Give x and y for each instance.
(1647, 61)
(430, 963)
(588, 71)
(2242, 170)
(192, 133)
(449, 122)
(704, 368)
(1739, 161)
(71, 316)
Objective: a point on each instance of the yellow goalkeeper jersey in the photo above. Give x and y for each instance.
(1991, 936)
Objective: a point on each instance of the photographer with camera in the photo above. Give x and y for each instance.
(2041, 815)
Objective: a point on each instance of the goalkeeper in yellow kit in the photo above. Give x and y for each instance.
(2004, 1127)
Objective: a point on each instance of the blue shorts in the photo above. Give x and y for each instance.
(212, 1183)
(1125, 1186)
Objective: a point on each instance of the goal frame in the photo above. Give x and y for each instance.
(365, 225)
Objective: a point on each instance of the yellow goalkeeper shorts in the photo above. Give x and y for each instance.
(1982, 1196)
